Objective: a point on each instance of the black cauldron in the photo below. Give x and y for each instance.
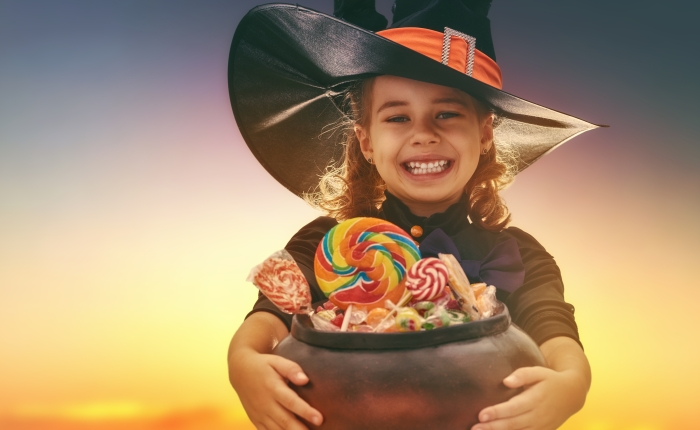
(417, 380)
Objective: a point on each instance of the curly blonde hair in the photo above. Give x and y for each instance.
(352, 187)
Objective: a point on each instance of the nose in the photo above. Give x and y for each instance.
(424, 133)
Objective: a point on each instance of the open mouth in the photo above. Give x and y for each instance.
(426, 167)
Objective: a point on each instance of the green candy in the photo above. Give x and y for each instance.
(424, 306)
(458, 317)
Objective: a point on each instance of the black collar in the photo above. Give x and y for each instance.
(453, 220)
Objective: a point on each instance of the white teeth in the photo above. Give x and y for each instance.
(418, 168)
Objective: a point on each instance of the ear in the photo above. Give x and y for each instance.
(365, 143)
(487, 132)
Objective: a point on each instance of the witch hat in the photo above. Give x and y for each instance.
(289, 68)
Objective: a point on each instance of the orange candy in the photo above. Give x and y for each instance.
(375, 316)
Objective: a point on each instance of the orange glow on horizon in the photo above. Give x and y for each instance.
(123, 415)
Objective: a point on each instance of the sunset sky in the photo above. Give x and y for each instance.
(131, 210)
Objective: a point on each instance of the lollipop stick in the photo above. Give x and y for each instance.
(404, 299)
(346, 319)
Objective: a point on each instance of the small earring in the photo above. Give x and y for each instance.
(369, 160)
(484, 151)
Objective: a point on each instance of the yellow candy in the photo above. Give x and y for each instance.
(326, 315)
(408, 319)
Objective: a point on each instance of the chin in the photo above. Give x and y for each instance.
(435, 196)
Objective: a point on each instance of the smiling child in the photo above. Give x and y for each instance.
(430, 140)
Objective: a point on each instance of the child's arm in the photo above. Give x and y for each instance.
(260, 378)
(552, 394)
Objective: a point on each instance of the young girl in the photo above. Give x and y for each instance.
(430, 141)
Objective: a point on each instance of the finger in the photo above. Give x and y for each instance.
(519, 422)
(285, 420)
(517, 405)
(269, 424)
(292, 402)
(525, 376)
(289, 370)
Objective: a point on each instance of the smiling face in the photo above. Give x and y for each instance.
(425, 141)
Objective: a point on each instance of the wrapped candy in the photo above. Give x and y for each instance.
(460, 286)
(356, 316)
(387, 324)
(323, 324)
(376, 316)
(486, 300)
(437, 317)
(327, 315)
(408, 319)
(280, 280)
(458, 317)
(424, 308)
(363, 261)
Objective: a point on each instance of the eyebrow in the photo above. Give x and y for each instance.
(444, 100)
(390, 104)
(451, 100)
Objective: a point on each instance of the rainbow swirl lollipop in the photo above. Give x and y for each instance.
(363, 261)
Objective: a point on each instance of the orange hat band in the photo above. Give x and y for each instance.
(455, 54)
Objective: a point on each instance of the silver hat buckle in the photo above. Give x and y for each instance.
(471, 47)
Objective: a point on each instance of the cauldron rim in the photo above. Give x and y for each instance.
(303, 331)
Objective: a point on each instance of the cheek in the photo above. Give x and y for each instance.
(383, 147)
(470, 154)
(472, 144)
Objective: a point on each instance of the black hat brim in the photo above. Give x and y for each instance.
(289, 68)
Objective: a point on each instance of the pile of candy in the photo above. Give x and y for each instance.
(375, 280)
(430, 301)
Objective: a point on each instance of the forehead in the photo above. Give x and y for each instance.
(388, 87)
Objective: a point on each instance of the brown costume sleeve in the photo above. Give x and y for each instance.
(538, 307)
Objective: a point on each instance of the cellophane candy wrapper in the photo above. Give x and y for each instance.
(280, 279)
(486, 300)
(323, 324)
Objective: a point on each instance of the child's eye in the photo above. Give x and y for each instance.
(446, 115)
(397, 119)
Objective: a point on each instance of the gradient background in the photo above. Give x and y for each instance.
(131, 210)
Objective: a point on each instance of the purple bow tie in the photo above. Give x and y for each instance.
(502, 267)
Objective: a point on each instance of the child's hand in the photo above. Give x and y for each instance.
(261, 383)
(549, 399)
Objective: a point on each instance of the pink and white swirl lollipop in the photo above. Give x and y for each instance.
(427, 279)
(281, 280)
